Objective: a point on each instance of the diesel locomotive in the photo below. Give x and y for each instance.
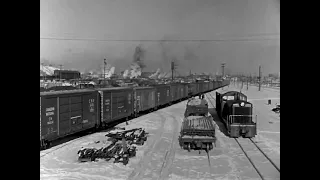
(236, 113)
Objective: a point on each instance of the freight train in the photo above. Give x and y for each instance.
(236, 113)
(63, 113)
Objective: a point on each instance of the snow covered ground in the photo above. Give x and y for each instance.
(161, 156)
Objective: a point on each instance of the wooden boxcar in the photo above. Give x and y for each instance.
(144, 99)
(177, 91)
(182, 92)
(185, 90)
(174, 91)
(210, 85)
(206, 86)
(67, 112)
(162, 94)
(115, 103)
(200, 86)
(192, 89)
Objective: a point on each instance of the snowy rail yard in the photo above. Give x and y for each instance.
(161, 157)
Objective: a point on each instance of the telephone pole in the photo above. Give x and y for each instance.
(173, 67)
(242, 82)
(259, 78)
(247, 82)
(60, 72)
(104, 69)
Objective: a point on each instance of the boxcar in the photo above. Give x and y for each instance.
(176, 92)
(215, 85)
(210, 85)
(226, 82)
(185, 90)
(192, 89)
(66, 112)
(201, 86)
(115, 103)
(206, 86)
(219, 84)
(181, 91)
(162, 94)
(143, 99)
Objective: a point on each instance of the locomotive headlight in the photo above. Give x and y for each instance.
(242, 104)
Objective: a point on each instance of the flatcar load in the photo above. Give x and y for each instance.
(197, 130)
(197, 107)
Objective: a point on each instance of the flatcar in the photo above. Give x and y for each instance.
(64, 113)
(197, 130)
(236, 113)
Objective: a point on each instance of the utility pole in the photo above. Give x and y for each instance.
(247, 82)
(242, 82)
(60, 72)
(104, 70)
(259, 78)
(173, 67)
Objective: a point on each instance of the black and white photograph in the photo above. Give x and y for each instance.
(159, 89)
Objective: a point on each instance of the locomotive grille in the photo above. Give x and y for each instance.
(242, 115)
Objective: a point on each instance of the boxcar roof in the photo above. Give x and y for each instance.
(161, 85)
(114, 88)
(65, 92)
(144, 87)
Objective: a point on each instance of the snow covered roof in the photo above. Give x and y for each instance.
(47, 70)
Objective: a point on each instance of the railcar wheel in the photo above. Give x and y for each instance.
(185, 146)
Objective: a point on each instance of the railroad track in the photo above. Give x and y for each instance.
(245, 152)
(167, 161)
(251, 160)
(55, 148)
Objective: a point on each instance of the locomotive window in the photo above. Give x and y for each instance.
(243, 98)
(228, 98)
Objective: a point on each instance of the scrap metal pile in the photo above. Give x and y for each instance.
(121, 149)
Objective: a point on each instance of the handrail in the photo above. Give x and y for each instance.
(231, 117)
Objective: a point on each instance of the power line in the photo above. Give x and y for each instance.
(159, 40)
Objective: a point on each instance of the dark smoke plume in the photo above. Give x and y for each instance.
(138, 56)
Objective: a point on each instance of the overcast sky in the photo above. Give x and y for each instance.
(162, 19)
